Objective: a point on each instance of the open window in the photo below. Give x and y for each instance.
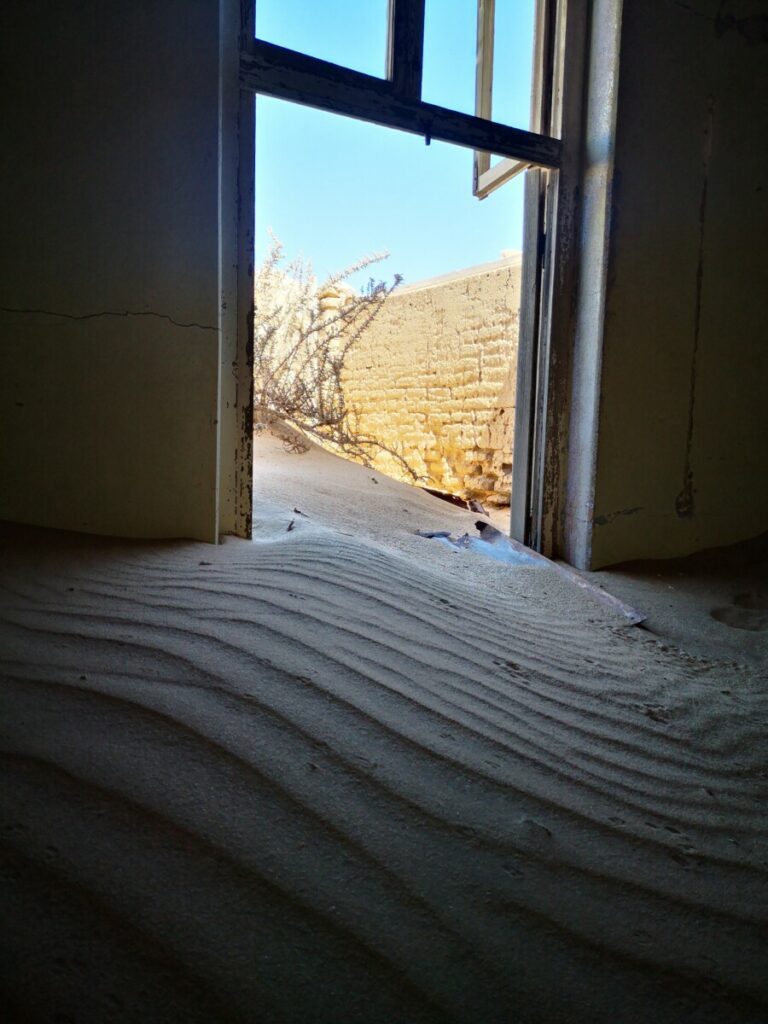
(396, 101)
(487, 175)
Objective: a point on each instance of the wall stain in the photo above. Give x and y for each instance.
(244, 400)
(107, 312)
(684, 503)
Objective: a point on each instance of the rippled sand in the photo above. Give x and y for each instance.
(311, 779)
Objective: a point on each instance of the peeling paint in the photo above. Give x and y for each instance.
(245, 402)
(684, 502)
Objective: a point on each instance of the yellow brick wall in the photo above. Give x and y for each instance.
(434, 378)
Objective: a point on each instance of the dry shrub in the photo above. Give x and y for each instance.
(300, 351)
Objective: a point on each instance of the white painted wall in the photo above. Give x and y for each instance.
(118, 257)
(682, 432)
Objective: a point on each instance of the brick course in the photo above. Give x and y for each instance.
(434, 378)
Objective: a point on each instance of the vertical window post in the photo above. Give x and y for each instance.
(405, 47)
(486, 17)
(487, 178)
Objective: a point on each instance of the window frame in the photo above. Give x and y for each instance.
(486, 178)
(394, 101)
(539, 513)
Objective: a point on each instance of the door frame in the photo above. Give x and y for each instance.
(550, 260)
(241, 369)
(550, 277)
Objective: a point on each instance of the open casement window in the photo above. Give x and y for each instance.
(488, 176)
(394, 101)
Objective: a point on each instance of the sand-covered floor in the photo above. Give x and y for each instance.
(342, 774)
(713, 603)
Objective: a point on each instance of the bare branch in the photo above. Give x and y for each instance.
(303, 335)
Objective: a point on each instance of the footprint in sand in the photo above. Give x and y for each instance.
(748, 611)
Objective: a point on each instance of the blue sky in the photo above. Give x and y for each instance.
(335, 189)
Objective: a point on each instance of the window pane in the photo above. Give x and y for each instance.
(346, 32)
(513, 62)
(450, 41)
(450, 29)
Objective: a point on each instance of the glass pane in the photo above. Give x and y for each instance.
(450, 31)
(412, 200)
(346, 32)
(513, 62)
(450, 41)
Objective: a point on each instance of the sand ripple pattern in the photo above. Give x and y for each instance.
(307, 782)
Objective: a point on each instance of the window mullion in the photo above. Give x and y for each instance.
(486, 14)
(405, 47)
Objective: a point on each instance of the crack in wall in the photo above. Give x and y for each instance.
(684, 503)
(610, 516)
(693, 11)
(752, 28)
(109, 312)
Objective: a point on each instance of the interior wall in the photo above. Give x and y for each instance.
(683, 432)
(116, 255)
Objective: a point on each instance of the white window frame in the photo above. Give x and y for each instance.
(487, 177)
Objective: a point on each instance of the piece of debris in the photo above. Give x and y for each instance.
(203, 563)
(476, 506)
(295, 445)
(453, 499)
(429, 534)
(374, 479)
(291, 525)
(656, 714)
(300, 513)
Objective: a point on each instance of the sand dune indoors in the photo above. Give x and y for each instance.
(317, 779)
